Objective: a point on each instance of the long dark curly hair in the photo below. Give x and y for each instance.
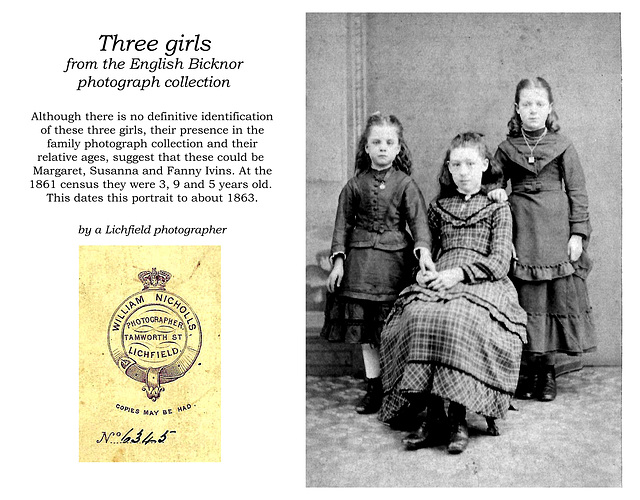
(492, 175)
(401, 162)
(515, 123)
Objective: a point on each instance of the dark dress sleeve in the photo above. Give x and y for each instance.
(435, 228)
(575, 187)
(494, 266)
(415, 213)
(501, 159)
(345, 219)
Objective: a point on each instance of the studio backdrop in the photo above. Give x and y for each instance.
(442, 74)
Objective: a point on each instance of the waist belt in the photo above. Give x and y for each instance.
(536, 186)
(374, 227)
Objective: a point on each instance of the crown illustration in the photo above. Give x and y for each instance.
(154, 279)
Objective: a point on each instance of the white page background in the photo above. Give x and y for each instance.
(263, 318)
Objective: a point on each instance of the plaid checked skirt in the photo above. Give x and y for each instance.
(463, 344)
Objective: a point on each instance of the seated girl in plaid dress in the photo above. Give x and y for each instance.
(457, 334)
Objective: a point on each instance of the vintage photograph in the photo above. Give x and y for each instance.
(463, 250)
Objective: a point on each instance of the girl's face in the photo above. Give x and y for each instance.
(533, 108)
(467, 165)
(382, 146)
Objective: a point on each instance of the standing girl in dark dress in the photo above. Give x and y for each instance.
(372, 252)
(457, 334)
(550, 233)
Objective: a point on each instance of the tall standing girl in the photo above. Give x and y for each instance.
(551, 231)
(373, 254)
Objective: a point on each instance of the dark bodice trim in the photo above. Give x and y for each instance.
(550, 147)
(482, 213)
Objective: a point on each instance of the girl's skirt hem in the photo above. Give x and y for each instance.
(559, 315)
(463, 344)
(527, 272)
(534, 272)
(561, 351)
(422, 379)
(572, 335)
(354, 321)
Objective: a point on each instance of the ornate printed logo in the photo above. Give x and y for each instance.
(154, 336)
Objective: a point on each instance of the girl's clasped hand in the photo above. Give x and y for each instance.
(442, 280)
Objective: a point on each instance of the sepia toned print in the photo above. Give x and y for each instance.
(149, 354)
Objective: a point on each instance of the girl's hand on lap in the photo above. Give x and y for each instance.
(447, 279)
(425, 277)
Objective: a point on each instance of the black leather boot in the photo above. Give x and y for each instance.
(547, 383)
(372, 400)
(459, 431)
(433, 431)
(527, 381)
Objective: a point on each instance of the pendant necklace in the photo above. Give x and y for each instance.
(531, 159)
(383, 179)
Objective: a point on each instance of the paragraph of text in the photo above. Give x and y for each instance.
(159, 157)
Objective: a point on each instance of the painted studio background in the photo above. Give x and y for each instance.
(442, 74)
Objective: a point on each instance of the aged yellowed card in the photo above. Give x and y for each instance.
(149, 339)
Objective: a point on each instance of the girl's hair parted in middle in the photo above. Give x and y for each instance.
(401, 162)
(492, 175)
(515, 123)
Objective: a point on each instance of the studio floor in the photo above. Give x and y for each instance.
(574, 441)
